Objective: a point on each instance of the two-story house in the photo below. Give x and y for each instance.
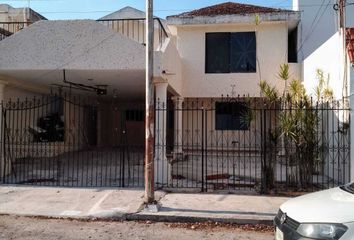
(226, 50)
(88, 128)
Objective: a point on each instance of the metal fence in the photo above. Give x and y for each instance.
(240, 144)
(226, 144)
(69, 141)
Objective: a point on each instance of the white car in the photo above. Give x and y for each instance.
(321, 215)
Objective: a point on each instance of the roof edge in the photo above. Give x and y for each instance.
(289, 16)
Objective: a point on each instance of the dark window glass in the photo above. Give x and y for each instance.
(230, 52)
(292, 46)
(134, 115)
(57, 105)
(217, 52)
(232, 116)
(243, 52)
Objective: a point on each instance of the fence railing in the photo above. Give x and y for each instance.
(227, 144)
(135, 28)
(69, 141)
(240, 143)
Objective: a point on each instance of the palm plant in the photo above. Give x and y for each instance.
(295, 127)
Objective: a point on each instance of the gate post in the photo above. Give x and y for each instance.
(178, 125)
(162, 167)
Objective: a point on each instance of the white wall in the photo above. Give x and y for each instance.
(168, 59)
(321, 44)
(271, 53)
(329, 58)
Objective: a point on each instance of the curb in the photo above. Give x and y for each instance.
(192, 219)
(154, 218)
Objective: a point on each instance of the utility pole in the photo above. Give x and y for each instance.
(341, 6)
(149, 106)
(342, 29)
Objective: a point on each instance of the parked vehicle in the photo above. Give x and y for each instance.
(322, 215)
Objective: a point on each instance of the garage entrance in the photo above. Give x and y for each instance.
(72, 141)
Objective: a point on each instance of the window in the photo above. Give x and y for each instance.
(230, 52)
(57, 105)
(232, 116)
(292, 46)
(134, 115)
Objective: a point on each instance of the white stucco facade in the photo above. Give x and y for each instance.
(271, 51)
(321, 44)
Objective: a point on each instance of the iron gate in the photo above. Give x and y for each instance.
(234, 144)
(71, 141)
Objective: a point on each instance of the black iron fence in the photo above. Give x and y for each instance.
(70, 141)
(227, 144)
(241, 144)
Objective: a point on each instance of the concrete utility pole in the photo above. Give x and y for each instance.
(149, 106)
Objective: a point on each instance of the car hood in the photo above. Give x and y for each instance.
(330, 206)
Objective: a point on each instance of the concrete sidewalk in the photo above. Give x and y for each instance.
(127, 204)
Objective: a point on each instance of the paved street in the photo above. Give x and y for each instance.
(21, 228)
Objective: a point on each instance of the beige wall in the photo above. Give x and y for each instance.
(271, 52)
(168, 59)
(192, 124)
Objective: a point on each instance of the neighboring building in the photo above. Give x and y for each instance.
(321, 44)
(15, 19)
(10, 14)
(125, 13)
(324, 44)
(131, 23)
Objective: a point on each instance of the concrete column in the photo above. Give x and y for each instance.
(162, 167)
(178, 126)
(4, 170)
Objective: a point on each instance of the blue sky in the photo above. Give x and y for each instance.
(93, 9)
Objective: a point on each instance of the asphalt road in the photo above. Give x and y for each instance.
(21, 228)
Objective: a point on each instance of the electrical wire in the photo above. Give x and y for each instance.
(314, 24)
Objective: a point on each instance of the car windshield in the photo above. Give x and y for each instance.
(349, 187)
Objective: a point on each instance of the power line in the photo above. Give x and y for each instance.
(314, 24)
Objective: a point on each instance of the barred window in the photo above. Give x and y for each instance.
(232, 116)
(231, 52)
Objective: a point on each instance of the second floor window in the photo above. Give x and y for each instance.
(230, 52)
